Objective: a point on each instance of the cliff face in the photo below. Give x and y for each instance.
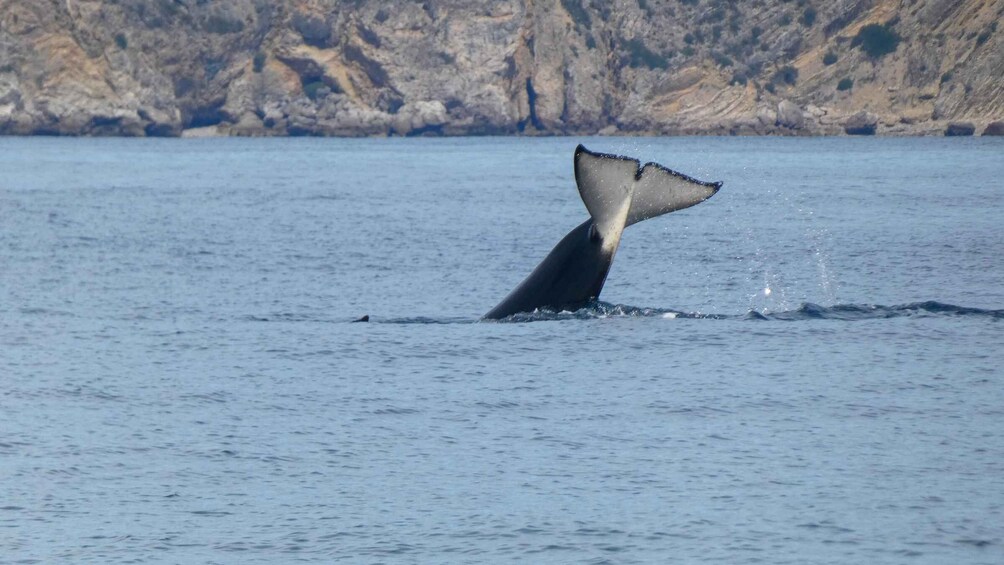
(361, 67)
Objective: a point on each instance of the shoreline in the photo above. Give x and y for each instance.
(984, 128)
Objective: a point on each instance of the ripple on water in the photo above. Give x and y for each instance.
(180, 380)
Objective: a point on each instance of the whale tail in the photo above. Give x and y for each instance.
(619, 191)
(606, 185)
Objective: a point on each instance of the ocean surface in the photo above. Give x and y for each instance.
(806, 368)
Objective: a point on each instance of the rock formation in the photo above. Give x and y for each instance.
(861, 123)
(960, 129)
(450, 67)
(994, 128)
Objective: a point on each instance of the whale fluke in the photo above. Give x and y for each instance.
(606, 186)
(659, 191)
(618, 192)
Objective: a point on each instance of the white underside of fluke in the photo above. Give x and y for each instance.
(619, 192)
(614, 226)
(606, 186)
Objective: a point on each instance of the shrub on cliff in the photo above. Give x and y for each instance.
(809, 16)
(222, 25)
(876, 40)
(786, 74)
(578, 13)
(721, 59)
(314, 31)
(313, 89)
(845, 83)
(639, 55)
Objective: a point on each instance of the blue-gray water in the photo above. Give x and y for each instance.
(180, 383)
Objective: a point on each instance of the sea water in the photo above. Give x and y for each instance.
(807, 368)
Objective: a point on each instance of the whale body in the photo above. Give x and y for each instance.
(618, 192)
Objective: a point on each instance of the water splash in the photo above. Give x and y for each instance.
(805, 312)
(787, 274)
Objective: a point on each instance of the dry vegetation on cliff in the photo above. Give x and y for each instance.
(360, 67)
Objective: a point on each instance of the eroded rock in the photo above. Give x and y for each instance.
(789, 115)
(960, 129)
(861, 123)
(994, 128)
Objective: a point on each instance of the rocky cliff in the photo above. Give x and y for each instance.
(361, 67)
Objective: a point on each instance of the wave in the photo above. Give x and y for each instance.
(807, 311)
(602, 310)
